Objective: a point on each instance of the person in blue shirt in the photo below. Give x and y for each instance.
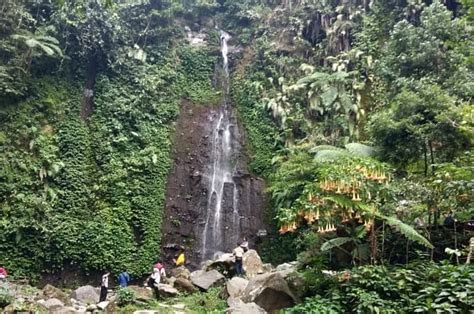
(123, 279)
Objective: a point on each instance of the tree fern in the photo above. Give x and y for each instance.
(408, 231)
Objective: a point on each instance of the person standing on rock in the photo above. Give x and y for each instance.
(245, 245)
(238, 254)
(154, 281)
(3, 273)
(123, 279)
(104, 286)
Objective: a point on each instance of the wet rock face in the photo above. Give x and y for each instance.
(188, 194)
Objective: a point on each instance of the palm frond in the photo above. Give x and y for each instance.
(408, 231)
(336, 242)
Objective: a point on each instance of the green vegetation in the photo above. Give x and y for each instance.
(84, 172)
(416, 288)
(358, 115)
(200, 302)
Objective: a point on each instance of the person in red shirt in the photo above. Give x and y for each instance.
(3, 273)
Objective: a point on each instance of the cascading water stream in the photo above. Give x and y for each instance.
(220, 174)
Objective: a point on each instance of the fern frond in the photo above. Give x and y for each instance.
(336, 242)
(408, 231)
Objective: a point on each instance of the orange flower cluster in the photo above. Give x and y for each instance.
(289, 227)
(372, 174)
(328, 228)
(340, 187)
(368, 224)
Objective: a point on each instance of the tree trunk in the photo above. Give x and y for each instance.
(433, 168)
(456, 241)
(87, 97)
(373, 244)
(426, 160)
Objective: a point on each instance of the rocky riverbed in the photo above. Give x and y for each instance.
(263, 289)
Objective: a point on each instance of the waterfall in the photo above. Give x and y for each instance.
(223, 193)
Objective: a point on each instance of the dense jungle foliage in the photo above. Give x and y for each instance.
(358, 114)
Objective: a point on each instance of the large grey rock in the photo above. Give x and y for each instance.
(196, 274)
(246, 308)
(86, 294)
(295, 282)
(53, 304)
(167, 290)
(142, 294)
(267, 267)
(224, 264)
(236, 286)
(287, 269)
(232, 302)
(102, 305)
(252, 263)
(270, 291)
(50, 292)
(287, 266)
(208, 279)
(185, 285)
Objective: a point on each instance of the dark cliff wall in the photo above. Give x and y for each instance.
(187, 190)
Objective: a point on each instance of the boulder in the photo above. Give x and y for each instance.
(86, 294)
(252, 263)
(236, 286)
(181, 272)
(66, 310)
(185, 285)
(141, 293)
(224, 264)
(91, 308)
(102, 305)
(196, 274)
(296, 283)
(169, 280)
(287, 266)
(167, 290)
(208, 279)
(246, 308)
(147, 312)
(232, 302)
(267, 267)
(53, 304)
(51, 292)
(270, 291)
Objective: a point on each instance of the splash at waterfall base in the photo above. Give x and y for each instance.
(188, 193)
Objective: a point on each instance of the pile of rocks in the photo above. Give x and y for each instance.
(84, 299)
(265, 289)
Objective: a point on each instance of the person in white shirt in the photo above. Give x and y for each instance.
(238, 254)
(104, 285)
(154, 281)
(245, 245)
